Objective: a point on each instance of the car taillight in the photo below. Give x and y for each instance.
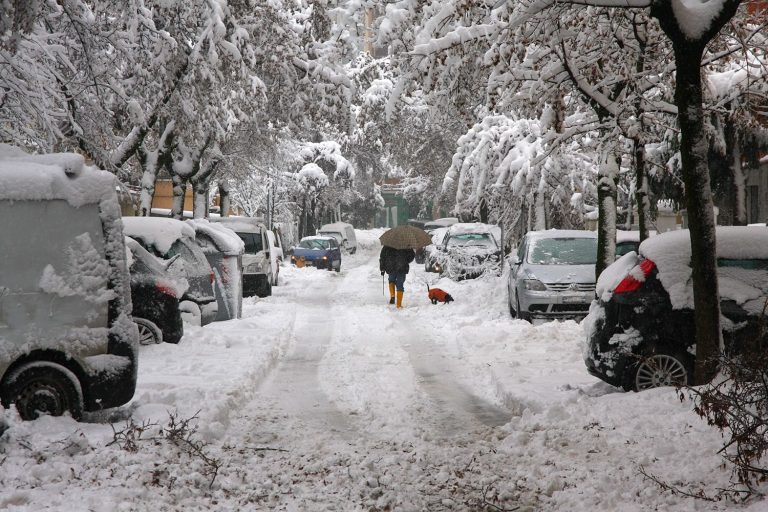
(166, 288)
(630, 283)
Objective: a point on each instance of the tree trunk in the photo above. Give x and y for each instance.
(200, 208)
(641, 190)
(701, 220)
(179, 192)
(225, 199)
(148, 162)
(737, 175)
(606, 210)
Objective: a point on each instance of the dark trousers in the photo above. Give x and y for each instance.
(399, 280)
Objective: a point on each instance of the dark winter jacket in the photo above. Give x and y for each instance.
(395, 261)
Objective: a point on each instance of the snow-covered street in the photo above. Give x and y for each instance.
(324, 397)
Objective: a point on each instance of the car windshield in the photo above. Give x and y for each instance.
(252, 242)
(563, 251)
(315, 244)
(623, 248)
(471, 240)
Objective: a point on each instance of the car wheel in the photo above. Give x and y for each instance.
(659, 370)
(149, 333)
(43, 387)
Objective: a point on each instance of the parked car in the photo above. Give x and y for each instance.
(640, 331)
(155, 296)
(174, 241)
(343, 233)
(224, 251)
(318, 251)
(430, 259)
(552, 275)
(67, 341)
(419, 223)
(469, 250)
(259, 261)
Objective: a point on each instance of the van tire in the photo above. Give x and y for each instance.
(149, 332)
(43, 386)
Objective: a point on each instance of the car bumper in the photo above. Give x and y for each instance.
(253, 284)
(319, 263)
(549, 304)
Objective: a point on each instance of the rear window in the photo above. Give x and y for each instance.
(192, 254)
(252, 241)
(563, 251)
(623, 248)
(472, 240)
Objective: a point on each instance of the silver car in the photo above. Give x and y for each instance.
(553, 275)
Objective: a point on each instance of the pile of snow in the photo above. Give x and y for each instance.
(52, 176)
(157, 232)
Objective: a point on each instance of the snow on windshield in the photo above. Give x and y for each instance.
(315, 243)
(472, 240)
(563, 251)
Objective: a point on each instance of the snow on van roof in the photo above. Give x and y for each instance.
(335, 225)
(157, 232)
(226, 239)
(53, 176)
(241, 224)
(671, 252)
(315, 237)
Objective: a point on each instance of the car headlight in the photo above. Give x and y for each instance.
(534, 285)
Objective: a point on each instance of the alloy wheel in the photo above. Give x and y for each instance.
(660, 370)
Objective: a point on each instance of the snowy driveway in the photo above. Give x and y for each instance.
(326, 398)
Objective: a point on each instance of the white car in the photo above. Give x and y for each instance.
(344, 233)
(258, 269)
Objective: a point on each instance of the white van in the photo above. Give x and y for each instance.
(67, 341)
(258, 260)
(344, 233)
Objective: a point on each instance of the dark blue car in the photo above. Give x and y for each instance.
(318, 251)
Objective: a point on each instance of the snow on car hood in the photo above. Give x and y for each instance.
(560, 273)
(671, 252)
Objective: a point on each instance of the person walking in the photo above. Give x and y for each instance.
(395, 262)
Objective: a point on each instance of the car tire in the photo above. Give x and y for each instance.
(149, 332)
(661, 369)
(46, 387)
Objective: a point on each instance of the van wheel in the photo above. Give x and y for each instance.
(149, 333)
(42, 388)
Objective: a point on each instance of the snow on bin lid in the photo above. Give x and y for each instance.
(53, 176)
(671, 252)
(225, 239)
(157, 232)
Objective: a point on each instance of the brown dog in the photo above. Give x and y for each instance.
(437, 295)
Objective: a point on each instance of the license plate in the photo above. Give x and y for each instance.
(574, 299)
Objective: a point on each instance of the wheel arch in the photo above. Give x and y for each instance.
(51, 356)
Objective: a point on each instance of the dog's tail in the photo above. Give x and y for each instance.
(427, 286)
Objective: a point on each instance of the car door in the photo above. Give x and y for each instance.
(335, 252)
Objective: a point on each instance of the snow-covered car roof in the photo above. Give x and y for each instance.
(671, 252)
(563, 233)
(317, 237)
(157, 232)
(226, 239)
(53, 176)
(241, 224)
(623, 235)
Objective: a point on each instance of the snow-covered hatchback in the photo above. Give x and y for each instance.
(640, 330)
(67, 342)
